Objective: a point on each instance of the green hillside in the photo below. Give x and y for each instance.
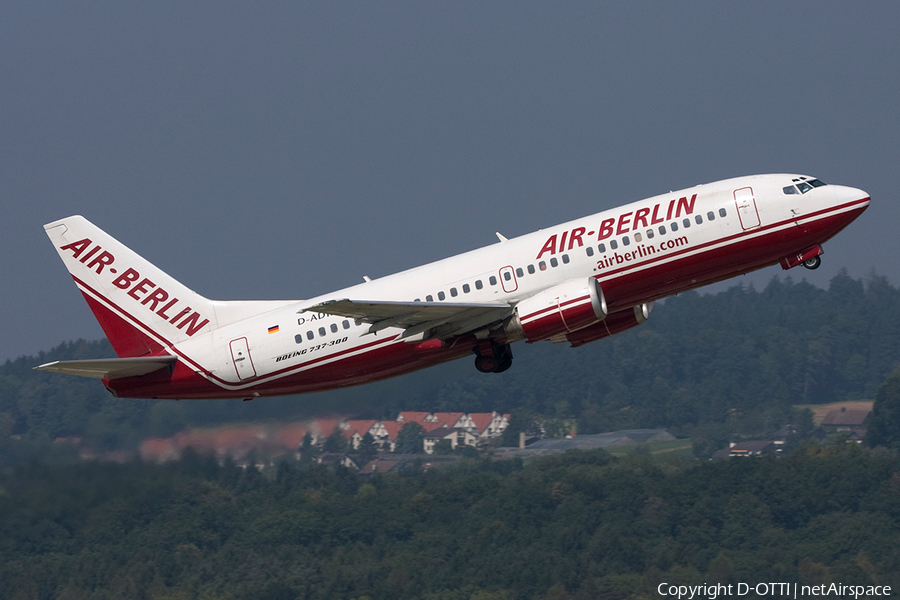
(579, 526)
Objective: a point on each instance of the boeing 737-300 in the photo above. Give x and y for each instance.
(577, 282)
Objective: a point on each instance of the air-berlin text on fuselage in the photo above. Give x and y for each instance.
(625, 222)
(139, 288)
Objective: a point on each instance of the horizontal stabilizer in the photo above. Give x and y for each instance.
(110, 368)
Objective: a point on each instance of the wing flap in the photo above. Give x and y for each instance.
(109, 368)
(455, 318)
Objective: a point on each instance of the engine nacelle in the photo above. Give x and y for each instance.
(559, 310)
(614, 323)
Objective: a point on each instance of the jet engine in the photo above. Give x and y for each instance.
(614, 323)
(556, 311)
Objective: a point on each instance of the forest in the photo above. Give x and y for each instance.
(584, 524)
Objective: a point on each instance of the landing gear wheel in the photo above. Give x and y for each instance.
(495, 359)
(813, 263)
(486, 364)
(504, 364)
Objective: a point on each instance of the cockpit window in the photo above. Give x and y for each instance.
(804, 184)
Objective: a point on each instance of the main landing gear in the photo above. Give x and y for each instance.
(812, 263)
(491, 357)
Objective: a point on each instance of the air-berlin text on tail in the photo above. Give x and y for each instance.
(139, 288)
(625, 222)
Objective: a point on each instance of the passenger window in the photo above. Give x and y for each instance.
(466, 288)
(626, 241)
(520, 272)
(346, 324)
(507, 275)
(613, 244)
(686, 223)
(710, 216)
(453, 292)
(637, 238)
(542, 266)
(429, 298)
(321, 331)
(565, 258)
(478, 284)
(531, 269)
(673, 226)
(334, 328)
(298, 338)
(589, 250)
(441, 295)
(722, 212)
(662, 230)
(649, 234)
(601, 248)
(554, 262)
(493, 280)
(310, 335)
(699, 219)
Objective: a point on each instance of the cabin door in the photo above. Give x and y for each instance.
(240, 356)
(746, 207)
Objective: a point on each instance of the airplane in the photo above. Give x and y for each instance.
(577, 282)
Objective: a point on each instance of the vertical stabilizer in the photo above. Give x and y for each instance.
(140, 308)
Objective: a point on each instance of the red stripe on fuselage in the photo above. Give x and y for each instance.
(661, 276)
(658, 276)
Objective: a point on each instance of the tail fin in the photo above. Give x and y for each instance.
(141, 309)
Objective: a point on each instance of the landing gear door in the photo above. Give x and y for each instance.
(746, 207)
(240, 357)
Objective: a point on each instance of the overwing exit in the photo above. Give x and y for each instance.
(577, 282)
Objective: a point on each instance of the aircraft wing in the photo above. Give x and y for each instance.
(109, 368)
(445, 319)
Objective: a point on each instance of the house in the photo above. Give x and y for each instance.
(412, 416)
(355, 430)
(320, 429)
(385, 433)
(337, 458)
(750, 448)
(853, 422)
(380, 465)
(450, 419)
(481, 425)
(456, 436)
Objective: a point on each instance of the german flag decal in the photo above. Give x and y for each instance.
(273, 329)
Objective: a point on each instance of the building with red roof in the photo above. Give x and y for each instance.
(416, 417)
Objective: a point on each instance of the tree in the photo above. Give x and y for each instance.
(368, 447)
(884, 429)
(411, 439)
(336, 442)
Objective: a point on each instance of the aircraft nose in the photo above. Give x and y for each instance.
(856, 195)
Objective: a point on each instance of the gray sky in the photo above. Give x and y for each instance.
(286, 149)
